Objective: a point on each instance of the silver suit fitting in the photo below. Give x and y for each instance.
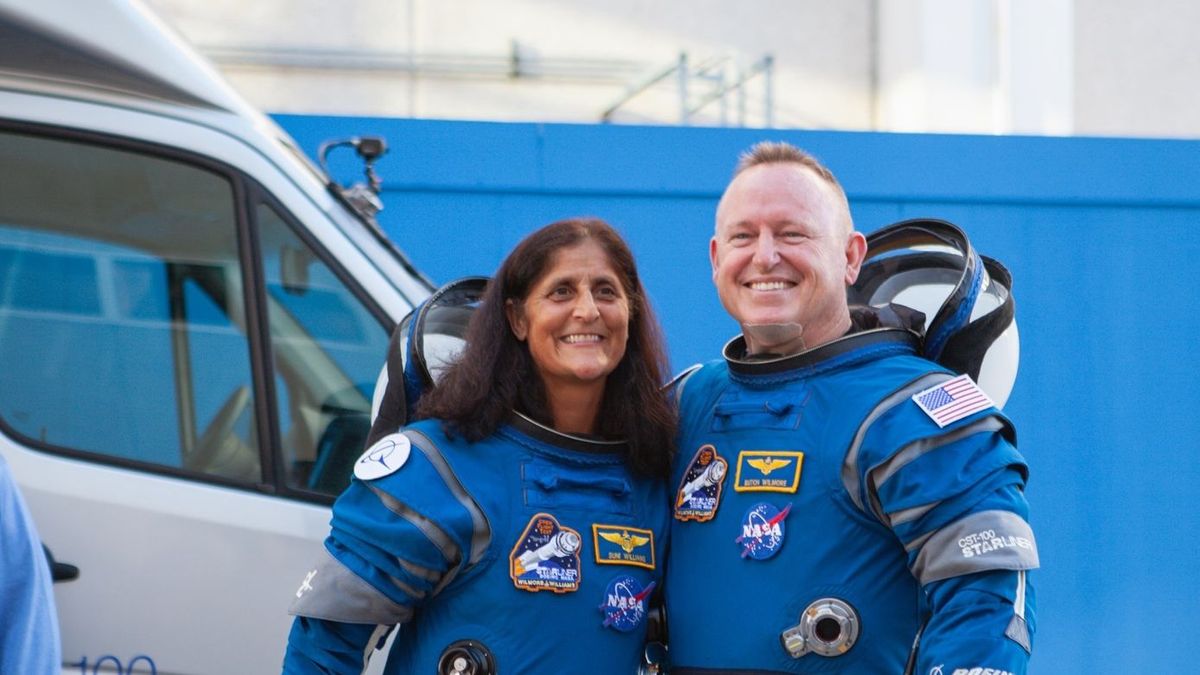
(828, 627)
(654, 659)
(466, 657)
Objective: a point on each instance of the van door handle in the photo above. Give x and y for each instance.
(60, 571)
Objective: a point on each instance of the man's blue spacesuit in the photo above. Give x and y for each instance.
(831, 503)
(530, 551)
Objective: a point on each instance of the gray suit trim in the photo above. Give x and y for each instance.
(334, 593)
(983, 541)
(850, 463)
(375, 642)
(908, 515)
(414, 593)
(880, 474)
(436, 535)
(419, 571)
(919, 541)
(681, 379)
(481, 535)
(1018, 630)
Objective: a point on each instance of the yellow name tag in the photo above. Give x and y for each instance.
(768, 471)
(622, 545)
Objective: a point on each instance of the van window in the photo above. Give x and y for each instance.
(327, 349)
(122, 313)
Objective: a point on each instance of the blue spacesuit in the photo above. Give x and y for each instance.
(530, 551)
(833, 503)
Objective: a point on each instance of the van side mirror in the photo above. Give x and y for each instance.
(60, 571)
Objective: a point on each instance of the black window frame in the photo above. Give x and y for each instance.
(247, 193)
(260, 195)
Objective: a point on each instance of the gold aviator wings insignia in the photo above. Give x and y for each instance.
(624, 540)
(768, 464)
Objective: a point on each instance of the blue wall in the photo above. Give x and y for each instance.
(1100, 234)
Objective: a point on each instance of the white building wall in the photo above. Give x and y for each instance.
(1137, 68)
(976, 66)
(1107, 67)
(580, 56)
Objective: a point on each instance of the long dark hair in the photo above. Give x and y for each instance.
(495, 373)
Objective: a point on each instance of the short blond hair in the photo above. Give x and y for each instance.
(782, 152)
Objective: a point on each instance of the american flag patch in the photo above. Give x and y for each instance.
(952, 400)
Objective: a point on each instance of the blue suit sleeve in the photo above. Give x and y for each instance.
(984, 620)
(29, 637)
(955, 499)
(394, 542)
(317, 647)
(980, 597)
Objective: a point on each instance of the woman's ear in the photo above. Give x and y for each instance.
(516, 319)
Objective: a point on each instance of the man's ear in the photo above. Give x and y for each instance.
(516, 319)
(856, 251)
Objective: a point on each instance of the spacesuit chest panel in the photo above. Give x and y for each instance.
(576, 553)
(549, 485)
(740, 409)
(762, 517)
(769, 441)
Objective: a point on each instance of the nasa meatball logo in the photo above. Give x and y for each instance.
(384, 458)
(700, 490)
(624, 603)
(762, 531)
(546, 557)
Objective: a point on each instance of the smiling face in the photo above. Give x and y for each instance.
(575, 319)
(783, 253)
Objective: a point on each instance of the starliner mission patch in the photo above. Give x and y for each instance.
(546, 557)
(700, 489)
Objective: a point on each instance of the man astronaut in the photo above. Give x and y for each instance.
(845, 502)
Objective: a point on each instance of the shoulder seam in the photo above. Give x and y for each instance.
(850, 462)
(677, 383)
(481, 534)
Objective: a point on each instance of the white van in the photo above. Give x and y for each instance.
(192, 319)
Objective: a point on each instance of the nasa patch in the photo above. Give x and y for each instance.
(624, 603)
(700, 490)
(546, 557)
(385, 457)
(768, 471)
(762, 531)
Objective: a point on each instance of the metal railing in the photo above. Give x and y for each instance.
(698, 84)
(720, 77)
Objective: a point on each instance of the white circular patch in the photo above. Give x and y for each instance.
(385, 457)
